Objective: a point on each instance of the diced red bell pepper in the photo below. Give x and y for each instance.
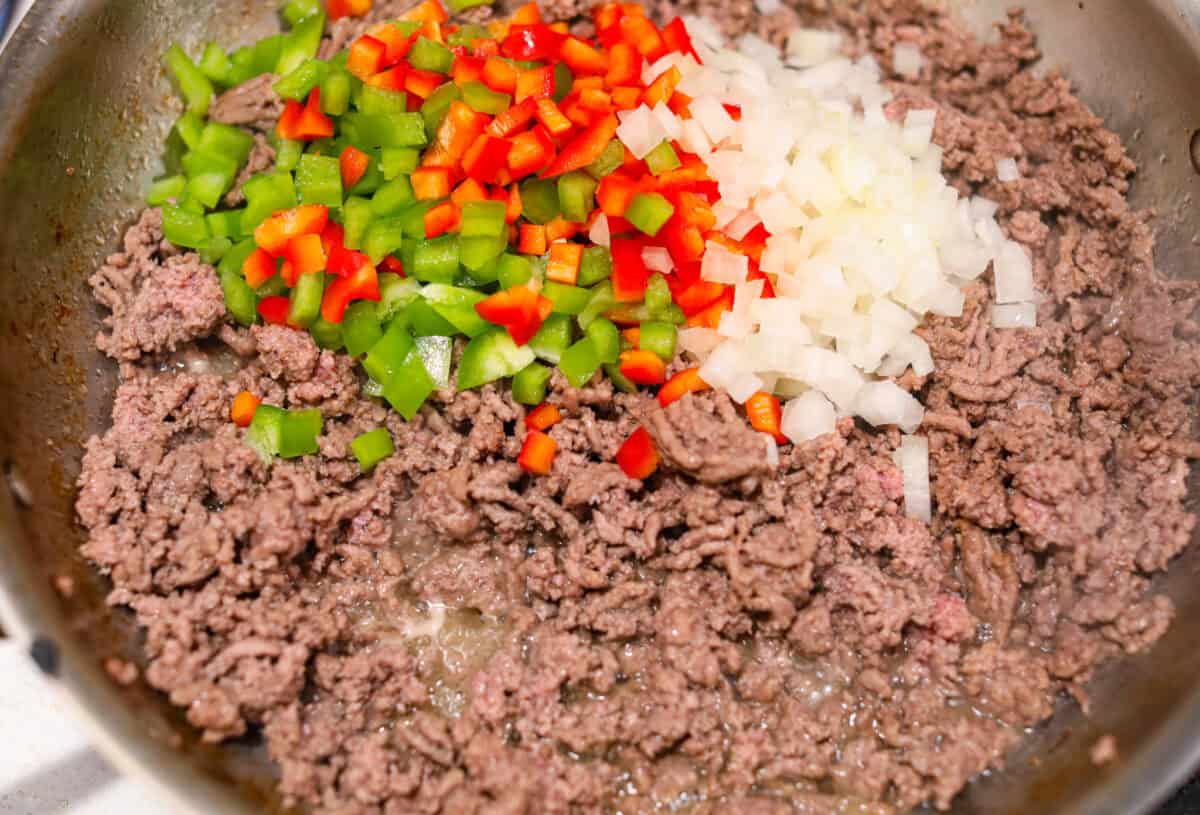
(467, 69)
(531, 42)
(304, 122)
(563, 263)
(333, 236)
(583, 58)
(430, 11)
(393, 264)
(258, 268)
(398, 45)
(431, 183)
(583, 83)
(306, 219)
(499, 75)
(422, 83)
(362, 284)
(632, 335)
(485, 158)
(766, 415)
(675, 35)
(347, 8)
(614, 194)
(596, 100)
(513, 205)
(698, 296)
(543, 417)
(637, 457)
(511, 120)
(552, 117)
(354, 163)
(468, 190)
(584, 148)
(441, 219)
(274, 310)
(519, 309)
(630, 274)
(626, 97)
(304, 254)
(534, 83)
(639, 32)
(663, 87)
(532, 240)
(561, 229)
(643, 367)
(680, 104)
(528, 14)
(367, 57)
(244, 406)
(345, 262)
(393, 79)
(710, 315)
(624, 66)
(537, 453)
(531, 151)
(685, 382)
(606, 15)
(459, 129)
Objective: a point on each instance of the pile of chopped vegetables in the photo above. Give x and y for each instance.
(586, 203)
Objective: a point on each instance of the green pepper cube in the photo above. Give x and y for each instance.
(388, 354)
(456, 305)
(601, 300)
(409, 386)
(264, 435)
(606, 338)
(459, 6)
(304, 304)
(336, 89)
(491, 356)
(398, 161)
(552, 338)
(184, 228)
(612, 157)
(296, 11)
(326, 335)
(356, 218)
(465, 36)
(298, 433)
(425, 322)
(381, 100)
(662, 159)
(266, 194)
(436, 261)
(427, 55)
(215, 64)
(242, 66)
(566, 299)
(539, 200)
(240, 300)
(266, 55)
(190, 129)
(393, 197)
(564, 80)
(658, 295)
(166, 189)
(300, 44)
(384, 236)
(595, 266)
(287, 154)
(395, 293)
(360, 327)
(648, 211)
(481, 98)
(372, 448)
(413, 219)
(215, 249)
(580, 362)
(576, 195)
(529, 384)
(478, 252)
(483, 219)
(195, 88)
(298, 84)
(370, 131)
(514, 270)
(225, 140)
(435, 108)
(319, 181)
(658, 338)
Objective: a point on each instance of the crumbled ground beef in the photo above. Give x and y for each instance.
(450, 635)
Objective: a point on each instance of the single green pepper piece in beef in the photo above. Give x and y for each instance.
(326, 335)
(166, 189)
(266, 55)
(580, 362)
(215, 249)
(195, 88)
(298, 84)
(552, 338)
(619, 380)
(564, 80)
(658, 295)
(360, 327)
(606, 338)
(377, 130)
(305, 299)
(459, 6)
(225, 140)
(265, 433)
(373, 100)
(389, 352)
(477, 252)
(372, 448)
(266, 194)
(298, 433)
(489, 357)
(300, 44)
(184, 228)
(409, 386)
(296, 11)
(529, 384)
(413, 219)
(215, 64)
(287, 154)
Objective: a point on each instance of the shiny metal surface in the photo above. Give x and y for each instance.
(83, 108)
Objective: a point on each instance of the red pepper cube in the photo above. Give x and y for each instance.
(710, 316)
(274, 310)
(543, 417)
(606, 15)
(519, 309)
(531, 151)
(532, 240)
(397, 44)
(537, 454)
(677, 39)
(564, 261)
(643, 367)
(630, 275)
(536, 42)
(362, 284)
(766, 415)
(393, 79)
(367, 57)
(485, 158)
(552, 117)
(698, 296)
(499, 75)
(626, 98)
(245, 404)
(639, 32)
(614, 194)
(306, 254)
(513, 206)
(460, 129)
(306, 219)
(347, 8)
(468, 190)
(582, 58)
(663, 87)
(535, 83)
(422, 83)
(430, 11)
(528, 14)
(584, 148)
(441, 219)
(513, 119)
(258, 268)
(354, 164)
(637, 457)
(596, 100)
(467, 69)
(680, 385)
(561, 229)
(431, 183)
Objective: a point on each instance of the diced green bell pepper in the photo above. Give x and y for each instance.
(393, 197)
(552, 338)
(395, 293)
(266, 55)
(300, 44)
(215, 64)
(437, 353)
(459, 6)
(372, 100)
(513, 270)
(576, 195)
(356, 218)
(580, 362)
(384, 237)
(398, 161)
(375, 130)
(435, 108)
(425, 322)
(227, 141)
(595, 266)
(305, 299)
(539, 200)
(287, 154)
(210, 176)
(195, 88)
(190, 128)
(619, 380)
(236, 257)
(468, 33)
(658, 338)
(566, 299)
(226, 224)
(662, 159)
(386, 356)
(266, 194)
(184, 228)
(612, 157)
(489, 357)
(485, 274)
(427, 55)
(409, 386)
(265, 433)
(483, 219)
(336, 89)
(529, 384)
(166, 189)
(326, 335)
(436, 261)
(298, 84)
(648, 211)
(360, 327)
(372, 448)
(481, 98)
(606, 339)
(319, 181)
(371, 180)
(240, 300)
(298, 433)
(215, 249)
(242, 66)
(477, 252)
(658, 295)
(296, 11)
(601, 300)
(414, 219)
(564, 80)
(457, 306)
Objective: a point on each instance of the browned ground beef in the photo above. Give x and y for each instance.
(725, 637)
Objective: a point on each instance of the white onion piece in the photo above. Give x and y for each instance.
(657, 259)
(913, 461)
(719, 265)
(699, 342)
(808, 416)
(1007, 171)
(640, 130)
(600, 233)
(693, 138)
(884, 403)
(1014, 315)
(742, 387)
(668, 121)
(906, 59)
(713, 117)
(772, 451)
(1014, 274)
(808, 46)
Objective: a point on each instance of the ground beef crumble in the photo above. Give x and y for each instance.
(448, 635)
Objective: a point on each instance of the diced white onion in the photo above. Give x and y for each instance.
(913, 461)
(1014, 315)
(719, 265)
(808, 46)
(1007, 170)
(640, 130)
(1014, 274)
(772, 451)
(657, 259)
(742, 387)
(668, 121)
(808, 416)
(693, 138)
(713, 117)
(884, 403)
(906, 59)
(699, 342)
(766, 7)
(600, 233)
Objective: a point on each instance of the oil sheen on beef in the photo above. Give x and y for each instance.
(448, 635)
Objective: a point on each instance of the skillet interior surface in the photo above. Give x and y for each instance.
(83, 111)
